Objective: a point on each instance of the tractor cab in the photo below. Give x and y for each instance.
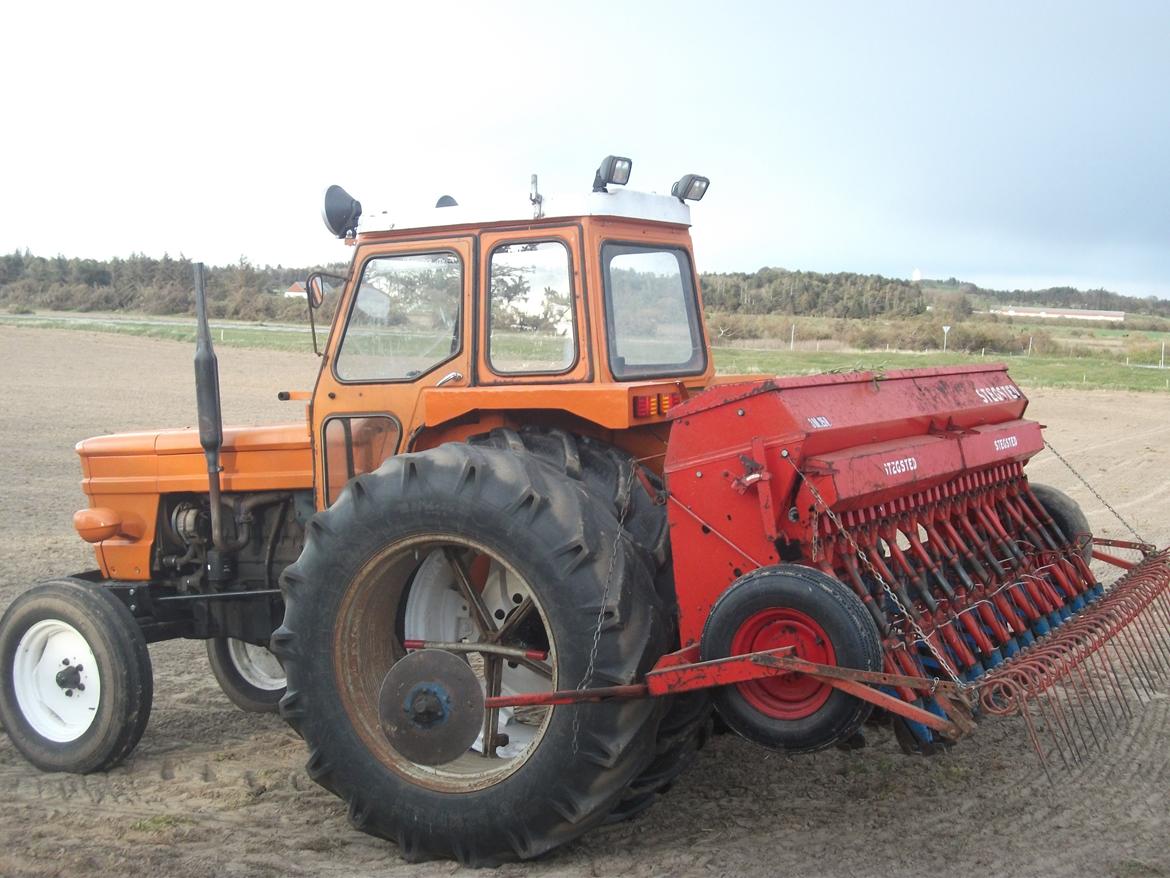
(583, 312)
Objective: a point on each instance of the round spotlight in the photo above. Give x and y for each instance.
(340, 212)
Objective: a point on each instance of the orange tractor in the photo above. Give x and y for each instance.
(524, 543)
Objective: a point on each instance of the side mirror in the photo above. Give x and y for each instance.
(316, 290)
(317, 287)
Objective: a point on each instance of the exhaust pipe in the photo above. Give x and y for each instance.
(208, 407)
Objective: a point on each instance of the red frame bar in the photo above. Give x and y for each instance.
(674, 674)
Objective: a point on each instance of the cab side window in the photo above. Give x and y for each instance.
(355, 445)
(405, 318)
(532, 318)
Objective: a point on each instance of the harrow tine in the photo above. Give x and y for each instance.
(1052, 682)
(1160, 608)
(1157, 649)
(1107, 672)
(1123, 649)
(1142, 655)
(1045, 700)
(1035, 740)
(1076, 682)
(1090, 691)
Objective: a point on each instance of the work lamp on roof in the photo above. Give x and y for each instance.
(614, 169)
(341, 211)
(690, 187)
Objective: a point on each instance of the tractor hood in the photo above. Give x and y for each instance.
(167, 461)
(125, 474)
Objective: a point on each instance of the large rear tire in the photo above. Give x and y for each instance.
(379, 567)
(634, 494)
(76, 685)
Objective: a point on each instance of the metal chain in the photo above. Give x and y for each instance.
(816, 537)
(1093, 491)
(864, 558)
(585, 680)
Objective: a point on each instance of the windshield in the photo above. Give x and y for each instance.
(652, 317)
(405, 318)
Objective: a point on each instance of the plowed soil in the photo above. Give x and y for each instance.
(213, 791)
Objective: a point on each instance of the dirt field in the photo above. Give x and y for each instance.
(213, 791)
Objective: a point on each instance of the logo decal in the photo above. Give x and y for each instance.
(901, 465)
(1001, 393)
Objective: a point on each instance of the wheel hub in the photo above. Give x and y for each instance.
(426, 706)
(431, 707)
(70, 677)
(787, 696)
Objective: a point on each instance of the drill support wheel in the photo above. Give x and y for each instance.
(825, 622)
(1067, 515)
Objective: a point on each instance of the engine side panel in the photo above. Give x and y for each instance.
(127, 473)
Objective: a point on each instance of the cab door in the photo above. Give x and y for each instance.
(402, 325)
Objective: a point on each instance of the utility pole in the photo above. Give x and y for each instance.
(792, 340)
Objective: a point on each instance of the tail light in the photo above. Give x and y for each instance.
(653, 405)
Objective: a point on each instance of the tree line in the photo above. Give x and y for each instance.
(245, 291)
(1053, 297)
(144, 284)
(811, 293)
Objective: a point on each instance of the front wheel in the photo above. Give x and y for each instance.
(76, 684)
(250, 676)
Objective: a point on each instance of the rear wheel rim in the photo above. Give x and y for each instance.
(56, 681)
(413, 587)
(256, 665)
(787, 696)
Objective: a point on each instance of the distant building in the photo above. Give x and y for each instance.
(296, 291)
(1060, 313)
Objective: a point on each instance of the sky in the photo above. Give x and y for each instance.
(1017, 145)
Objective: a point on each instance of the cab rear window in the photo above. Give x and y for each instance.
(652, 319)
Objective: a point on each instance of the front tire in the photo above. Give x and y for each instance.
(409, 529)
(249, 675)
(76, 685)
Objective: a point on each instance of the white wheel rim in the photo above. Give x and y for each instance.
(258, 666)
(56, 681)
(436, 611)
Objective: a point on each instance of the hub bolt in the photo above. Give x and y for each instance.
(426, 709)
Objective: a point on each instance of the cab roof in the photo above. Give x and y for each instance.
(624, 203)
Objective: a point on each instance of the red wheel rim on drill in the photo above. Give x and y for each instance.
(789, 696)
